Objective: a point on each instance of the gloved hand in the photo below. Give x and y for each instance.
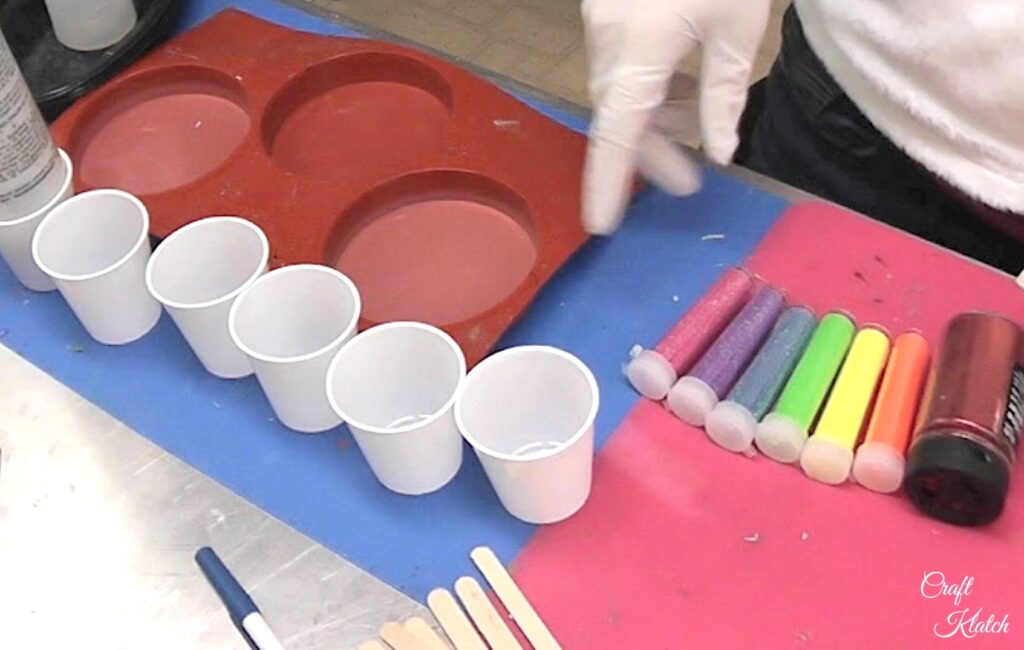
(634, 47)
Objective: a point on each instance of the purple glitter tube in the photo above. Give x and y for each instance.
(696, 395)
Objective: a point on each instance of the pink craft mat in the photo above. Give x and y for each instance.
(684, 545)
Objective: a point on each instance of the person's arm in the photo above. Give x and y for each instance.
(634, 48)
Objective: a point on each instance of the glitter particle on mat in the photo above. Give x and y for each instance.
(713, 237)
(754, 538)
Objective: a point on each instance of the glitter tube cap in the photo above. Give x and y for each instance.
(651, 374)
(879, 467)
(826, 461)
(731, 426)
(780, 438)
(691, 399)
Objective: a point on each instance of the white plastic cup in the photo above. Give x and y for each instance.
(529, 414)
(196, 273)
(88, 25)
(290, 323)
(395, 385)
(95, 246)
(16, 235)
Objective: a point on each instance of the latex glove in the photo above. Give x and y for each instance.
(634, 47)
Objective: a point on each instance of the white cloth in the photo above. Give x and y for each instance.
(942, 79)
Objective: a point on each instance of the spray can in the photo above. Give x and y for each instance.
(959, 464)
(30, 170)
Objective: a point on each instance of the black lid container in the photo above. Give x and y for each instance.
(58, 75)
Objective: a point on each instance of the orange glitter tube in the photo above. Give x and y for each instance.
(880, 462)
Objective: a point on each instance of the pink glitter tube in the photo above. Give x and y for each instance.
(653, 372)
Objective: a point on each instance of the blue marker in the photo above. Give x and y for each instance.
(734, 421)
(243, 611)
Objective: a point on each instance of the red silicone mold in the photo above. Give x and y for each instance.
(445, 199)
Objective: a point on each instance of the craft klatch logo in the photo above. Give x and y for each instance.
(963, 620)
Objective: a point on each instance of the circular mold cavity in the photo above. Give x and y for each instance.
(438, 247)
(361, 109)
(161, 130)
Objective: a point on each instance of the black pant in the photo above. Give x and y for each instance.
(802, 129)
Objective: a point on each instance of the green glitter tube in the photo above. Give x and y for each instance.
(782, 434)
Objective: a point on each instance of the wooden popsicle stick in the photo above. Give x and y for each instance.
(399, 638)
(486, 618)
(426, 634)
(371, 645)
(514, 600)
(453, 621)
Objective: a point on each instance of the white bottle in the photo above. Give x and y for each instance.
(88, 25)
(30, 170)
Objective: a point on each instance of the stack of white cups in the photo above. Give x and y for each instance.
(17, 230)
(403, 389)
(528, 412)
(285, 325)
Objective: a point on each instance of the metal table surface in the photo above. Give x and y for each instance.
(98, 527)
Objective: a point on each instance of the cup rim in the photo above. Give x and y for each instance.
(79, 198)
(374, 331)
(286, 270)
(54, 201)
(523, 350)
(207, 221)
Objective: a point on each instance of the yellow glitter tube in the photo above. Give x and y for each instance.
(828, 455)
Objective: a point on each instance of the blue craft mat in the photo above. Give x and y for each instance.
(614, 293)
